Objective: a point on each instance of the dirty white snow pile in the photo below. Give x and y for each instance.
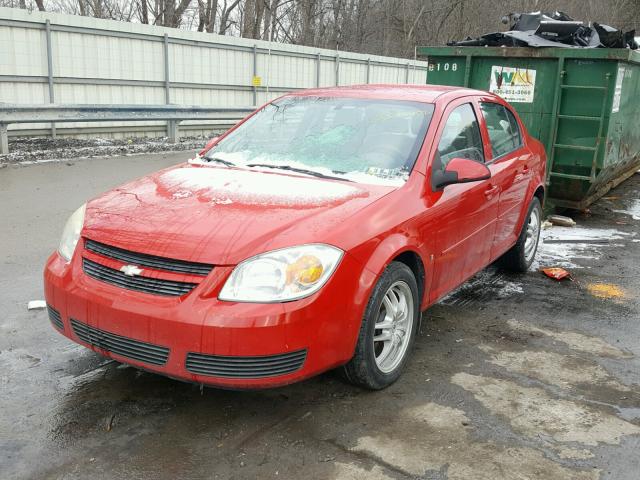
(489, 283)
(632, 210)
(25, 151)
(564, 246)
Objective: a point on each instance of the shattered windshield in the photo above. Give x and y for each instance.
(362, 140)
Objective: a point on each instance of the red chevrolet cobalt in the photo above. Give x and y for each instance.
(310, 236)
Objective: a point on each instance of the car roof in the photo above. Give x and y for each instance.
(416, 93)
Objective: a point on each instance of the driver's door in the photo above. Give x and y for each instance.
(464, 215)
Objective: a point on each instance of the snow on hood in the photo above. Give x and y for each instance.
(395, 177)
(230, 185)
(222, 215)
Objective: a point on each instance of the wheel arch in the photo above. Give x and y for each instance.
(539, 194)
(413, 260)
(401, 248)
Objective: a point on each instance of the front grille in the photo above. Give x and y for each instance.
(154, 286)
(55, 317)
(151, 261)
(245, 367)
(126, 347)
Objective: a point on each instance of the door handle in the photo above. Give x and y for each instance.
(521, 175)
(491, 191)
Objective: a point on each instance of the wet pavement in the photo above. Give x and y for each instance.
(513, 376)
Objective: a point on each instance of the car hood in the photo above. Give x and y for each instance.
(223, 215)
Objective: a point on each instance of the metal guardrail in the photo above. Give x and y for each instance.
(174, 114)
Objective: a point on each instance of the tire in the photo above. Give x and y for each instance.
(369, 368)
(520, 257)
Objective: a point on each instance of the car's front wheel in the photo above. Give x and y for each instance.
(388, 330)
(521, 255)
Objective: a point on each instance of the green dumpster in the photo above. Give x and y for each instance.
(583, 104)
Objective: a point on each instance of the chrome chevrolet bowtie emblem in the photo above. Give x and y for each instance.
(131, 270)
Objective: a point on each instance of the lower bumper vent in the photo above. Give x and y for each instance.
(55, 318)
(126, 347)
(245, 367)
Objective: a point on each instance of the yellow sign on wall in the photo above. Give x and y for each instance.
(256, 81)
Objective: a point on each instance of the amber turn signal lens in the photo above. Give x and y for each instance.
(306, 270)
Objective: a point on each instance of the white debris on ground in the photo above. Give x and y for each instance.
(36, 305)
(564, 246)
(633, 210)
(559, 247)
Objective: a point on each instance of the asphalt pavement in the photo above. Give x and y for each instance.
(512, 377)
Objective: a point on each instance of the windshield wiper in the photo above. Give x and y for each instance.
(298, 170)
(220, 160)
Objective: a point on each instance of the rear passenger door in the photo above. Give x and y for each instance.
(509, 171)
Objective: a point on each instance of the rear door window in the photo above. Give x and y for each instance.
(460, 136)
(502, 128)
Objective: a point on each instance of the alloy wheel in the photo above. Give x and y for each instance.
(532, 235)
(392, 330)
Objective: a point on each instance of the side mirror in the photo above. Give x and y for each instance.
(461, 170)
(208, 146)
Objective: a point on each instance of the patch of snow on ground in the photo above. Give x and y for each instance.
(564, 246)
(28, 151)
(633, 210)
(226, 186)
(489, 283)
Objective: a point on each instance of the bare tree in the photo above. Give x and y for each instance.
(144, 11)
(207, 15)
(225, 16)
(384, 27)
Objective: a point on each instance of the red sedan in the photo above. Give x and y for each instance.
(310, 236)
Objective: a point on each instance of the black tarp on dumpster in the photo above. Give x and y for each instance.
(539, 29)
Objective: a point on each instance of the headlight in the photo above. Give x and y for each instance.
(71, 233)
(282, 275)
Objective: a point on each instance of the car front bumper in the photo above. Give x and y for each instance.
(200, 339)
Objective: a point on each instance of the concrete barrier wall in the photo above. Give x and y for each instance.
(55, 58)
